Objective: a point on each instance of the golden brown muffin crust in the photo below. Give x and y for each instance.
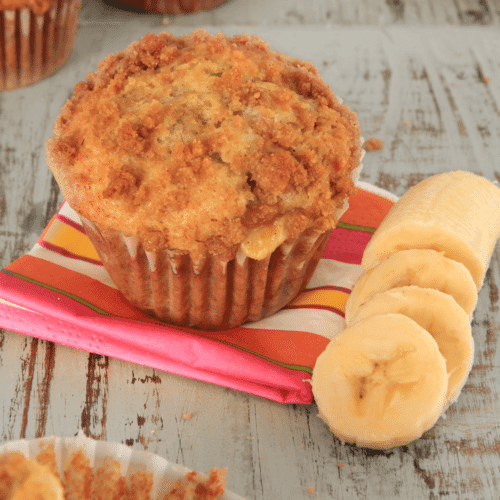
(191, 142)
(24, 479)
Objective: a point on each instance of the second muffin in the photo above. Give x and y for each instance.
(208, 172)
(36, 39)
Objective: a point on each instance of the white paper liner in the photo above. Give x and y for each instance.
(165, 473)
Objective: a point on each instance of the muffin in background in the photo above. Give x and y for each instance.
(36, 39)
(22, 478)
(208, 172)
(166, 7)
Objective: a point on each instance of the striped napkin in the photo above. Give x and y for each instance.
(61, 293)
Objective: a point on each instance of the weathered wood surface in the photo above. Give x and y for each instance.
(423, 90)
(344, 12)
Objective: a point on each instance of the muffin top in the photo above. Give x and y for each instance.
(25, 479)
(37, 6)
(195, 143)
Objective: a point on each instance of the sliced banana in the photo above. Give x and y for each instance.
(381, 382)
(441, 316)
(457, 213)
(424, 268)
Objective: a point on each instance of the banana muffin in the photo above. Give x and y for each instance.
(208, 172)
(36, 39)
(168, 7)
(22, 478)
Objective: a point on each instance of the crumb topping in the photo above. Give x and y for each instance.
(373, 144)
(22, 479)
(192, 142)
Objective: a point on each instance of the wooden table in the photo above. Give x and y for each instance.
(424, 77)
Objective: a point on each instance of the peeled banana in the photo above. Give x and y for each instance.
(441, 316)
(408, 349)
(457, 213)
(381, 382)
(424, 268)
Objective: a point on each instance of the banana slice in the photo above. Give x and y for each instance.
(457, 213)
(424, 268)
(441, 316)
(381, 382)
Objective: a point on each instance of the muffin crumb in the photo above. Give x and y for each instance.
(373, 144)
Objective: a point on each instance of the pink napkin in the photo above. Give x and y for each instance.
(60, 292)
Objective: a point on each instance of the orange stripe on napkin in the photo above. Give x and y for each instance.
(288, 348)
(321, 298)
(63, 235)
(358, 215)
(47, 228)
(81, 288)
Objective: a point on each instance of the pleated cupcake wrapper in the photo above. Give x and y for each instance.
(207, 293)
(32, 46)
(164, 473)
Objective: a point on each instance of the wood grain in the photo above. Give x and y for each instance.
(415, 72)
(322, 12)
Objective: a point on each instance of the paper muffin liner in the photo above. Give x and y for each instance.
(32, 46)
(164, 474)
(170, 7)
(207, 293)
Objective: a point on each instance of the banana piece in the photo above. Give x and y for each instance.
(457, 213)
(381, 382)
(424, 268)
(441, 316)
